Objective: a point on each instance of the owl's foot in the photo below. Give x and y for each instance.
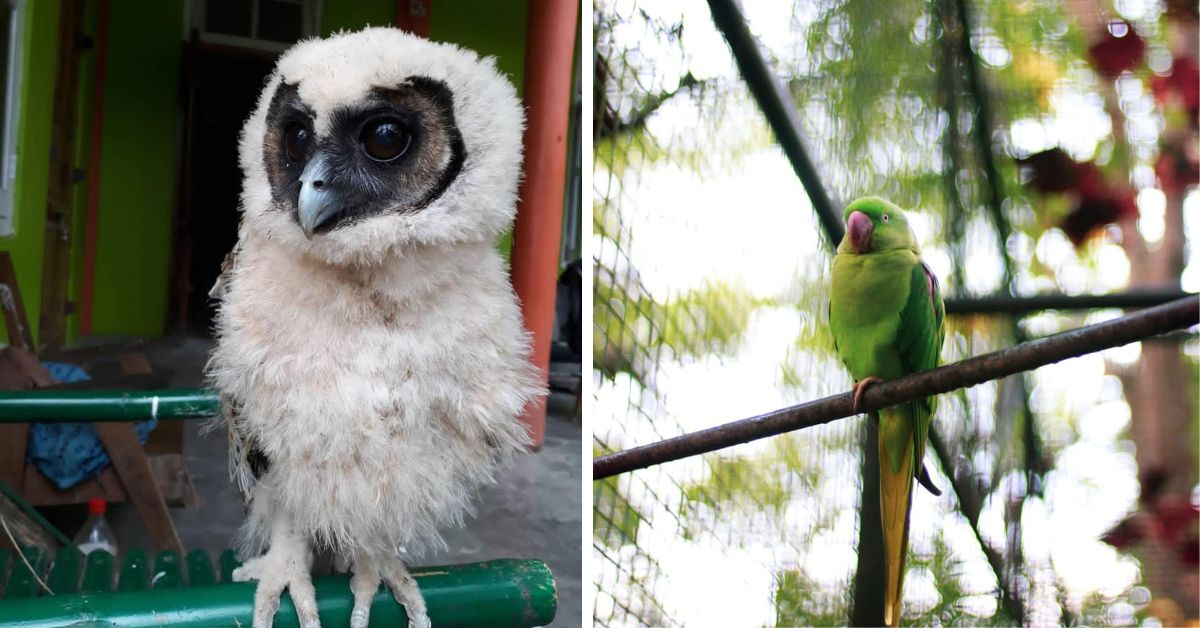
(286, 565)
(364, 584)
(860, 387)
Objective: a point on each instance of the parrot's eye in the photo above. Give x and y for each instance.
(885, 217)
(295, 142)
(386, 139)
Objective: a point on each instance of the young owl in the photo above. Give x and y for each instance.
(370, 350)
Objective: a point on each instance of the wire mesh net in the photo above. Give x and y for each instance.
(711, 292)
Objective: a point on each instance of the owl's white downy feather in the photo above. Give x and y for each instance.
(380, 367)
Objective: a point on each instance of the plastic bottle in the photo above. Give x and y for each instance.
(95, 533)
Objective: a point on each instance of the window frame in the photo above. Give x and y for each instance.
(10, 134)
(310, 26)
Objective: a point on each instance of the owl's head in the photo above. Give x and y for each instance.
(367, 143)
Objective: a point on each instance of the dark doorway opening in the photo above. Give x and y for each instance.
(222, 87)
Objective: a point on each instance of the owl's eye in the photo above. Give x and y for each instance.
(385, 140)
(295, 141)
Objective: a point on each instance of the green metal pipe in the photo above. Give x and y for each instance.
(506, 592)
(73, 406)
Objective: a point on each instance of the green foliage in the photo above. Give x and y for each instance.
(801, 602)
(631, 328)
(616, 521)
(739, 481)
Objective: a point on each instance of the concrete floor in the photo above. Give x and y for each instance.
(535, 511)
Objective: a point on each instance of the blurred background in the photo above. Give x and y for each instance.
(1041, 148)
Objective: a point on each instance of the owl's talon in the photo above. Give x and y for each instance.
(860, 387)
(404, 589)
(286, 565)
(364, 584)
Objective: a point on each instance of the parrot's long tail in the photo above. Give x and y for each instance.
(895, 497)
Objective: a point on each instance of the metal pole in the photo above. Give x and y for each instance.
(779, 109)
(549, 55)
(504, 592)
(61, 406)
(1023, 357)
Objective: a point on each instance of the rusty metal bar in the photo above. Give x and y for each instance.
(549, 55)
(1023, 357)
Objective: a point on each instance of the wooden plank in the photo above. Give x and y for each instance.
(135, 571)
(170, 475)
(134, 363)
(15, 323)
(200, 568)
(40, 491)
(60, 190)
(98, 572)
(14, 437)
(121, 443)
(23, 528)
(66, 572)
(168, 572)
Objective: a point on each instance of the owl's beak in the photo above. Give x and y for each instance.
(317, 204)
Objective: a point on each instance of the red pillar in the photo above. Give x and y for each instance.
(549, 55)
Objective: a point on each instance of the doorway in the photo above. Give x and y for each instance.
(222, 89)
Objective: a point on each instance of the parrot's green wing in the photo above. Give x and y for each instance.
(919, 340)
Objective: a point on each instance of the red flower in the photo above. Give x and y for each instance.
(1113, 55)
(1177, 166)
(1094, 211)
(1183, 83)
(1054, 171)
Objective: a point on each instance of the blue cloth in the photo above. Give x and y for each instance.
(69, 453)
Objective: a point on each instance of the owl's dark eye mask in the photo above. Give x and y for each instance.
(396, 150)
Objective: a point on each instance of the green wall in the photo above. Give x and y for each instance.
(490, 28)
(138, 167)
(494, 29)
(33, 153)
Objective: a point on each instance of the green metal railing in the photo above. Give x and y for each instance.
(70, 406)
(507, 592)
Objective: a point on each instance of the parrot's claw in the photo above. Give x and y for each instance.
(404, 588)
(287, 565)
(860, 387)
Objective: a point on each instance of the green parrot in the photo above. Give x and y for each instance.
(887, 319)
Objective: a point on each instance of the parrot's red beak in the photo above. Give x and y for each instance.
(861, 229)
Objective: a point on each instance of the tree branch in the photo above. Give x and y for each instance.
(1144, 296)
(1023, 357)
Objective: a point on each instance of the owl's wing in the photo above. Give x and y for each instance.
(247, 462)
(227, 266)
(240, 445)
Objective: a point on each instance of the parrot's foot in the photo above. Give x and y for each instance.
(364, 584)
(860, 387)
(287, 565)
